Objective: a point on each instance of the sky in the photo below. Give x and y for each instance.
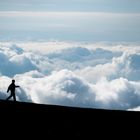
(82, 53)
(75, 20)
(73, 5)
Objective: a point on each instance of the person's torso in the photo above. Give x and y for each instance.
(12, 87)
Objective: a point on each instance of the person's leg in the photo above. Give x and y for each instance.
(9, 97)
(14, 96)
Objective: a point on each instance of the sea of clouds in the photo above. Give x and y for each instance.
(96, 75)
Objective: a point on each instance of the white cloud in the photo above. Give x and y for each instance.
(135, 109)
(80, 75)
(62, 87)
(119, 93)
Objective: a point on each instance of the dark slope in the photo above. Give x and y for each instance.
(59, 121)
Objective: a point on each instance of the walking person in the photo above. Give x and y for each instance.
(11, 88)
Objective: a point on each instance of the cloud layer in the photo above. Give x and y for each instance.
(83, 75)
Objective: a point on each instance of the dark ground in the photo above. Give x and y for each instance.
(19, 119)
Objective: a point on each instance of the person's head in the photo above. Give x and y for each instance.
(13, 81)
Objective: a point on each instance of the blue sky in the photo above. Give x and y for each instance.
(75, 20)
(72, 5)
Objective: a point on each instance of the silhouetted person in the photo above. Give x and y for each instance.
(12, 87)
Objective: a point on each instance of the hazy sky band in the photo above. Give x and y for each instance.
(72, 13)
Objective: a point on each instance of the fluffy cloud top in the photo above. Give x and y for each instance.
(74, 76)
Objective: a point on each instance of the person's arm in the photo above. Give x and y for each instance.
(17, 86)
